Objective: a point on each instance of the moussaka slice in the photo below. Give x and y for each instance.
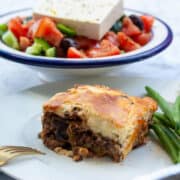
(89, 121)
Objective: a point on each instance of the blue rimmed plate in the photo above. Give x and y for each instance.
(162, 37)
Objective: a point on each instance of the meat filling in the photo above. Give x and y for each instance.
(72, 134)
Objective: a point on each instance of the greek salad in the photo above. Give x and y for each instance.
(44, 37)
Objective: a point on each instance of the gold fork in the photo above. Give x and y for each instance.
(10, 152)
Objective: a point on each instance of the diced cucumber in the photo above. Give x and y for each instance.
(3, 29)
(66, 30)
(10, 40)
(35, 49)
(45, 45)
(51, 52)
(41, 47)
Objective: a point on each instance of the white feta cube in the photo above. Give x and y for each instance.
(90, 18)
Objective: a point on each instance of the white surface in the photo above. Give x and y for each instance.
(89, 18)
(26, 112)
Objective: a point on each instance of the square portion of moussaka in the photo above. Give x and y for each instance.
(88, 121)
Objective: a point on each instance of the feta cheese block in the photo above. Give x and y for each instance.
(89, 18)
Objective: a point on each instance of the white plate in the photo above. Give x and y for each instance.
(20, 125)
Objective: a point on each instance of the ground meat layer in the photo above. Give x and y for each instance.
(72, 135)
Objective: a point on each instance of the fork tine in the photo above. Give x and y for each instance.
(32, 152)
(10, 152)
(14, 149)
(18, 153)
(19, 149)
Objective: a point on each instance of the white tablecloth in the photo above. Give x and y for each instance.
(14, 77)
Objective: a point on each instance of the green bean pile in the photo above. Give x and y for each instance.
(166, 125)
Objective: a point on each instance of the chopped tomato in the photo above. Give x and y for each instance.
(126, 43)
(129, 28)
(24, 42)
(15, 25)
(45, 28)
(85, 43)
(148, 22)
(74, 53)
(106, 48)
(112, 37)
(143, 38)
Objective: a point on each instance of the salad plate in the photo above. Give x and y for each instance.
(162, 37)
(22, 124)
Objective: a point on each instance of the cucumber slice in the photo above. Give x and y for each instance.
(3, 29)
(51, 52)
(10, 40)
(44, 44)
(66, 30)
(35, 49)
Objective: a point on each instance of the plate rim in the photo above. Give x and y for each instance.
(89, 62)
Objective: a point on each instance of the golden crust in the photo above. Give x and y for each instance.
(113, 105)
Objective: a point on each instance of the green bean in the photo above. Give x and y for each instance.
(176, 111)
(163, 119)
(156, 120)
(166, 142)
(163, 104)
(172, 135)
(178, 159)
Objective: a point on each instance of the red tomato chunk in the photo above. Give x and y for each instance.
(148, 22)
(143, 38)
(106, 48)
(112, 37)
(24, 43)
(16, 26)
(126, 43)
(75, 53)
(129, 28)
(45, 28)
